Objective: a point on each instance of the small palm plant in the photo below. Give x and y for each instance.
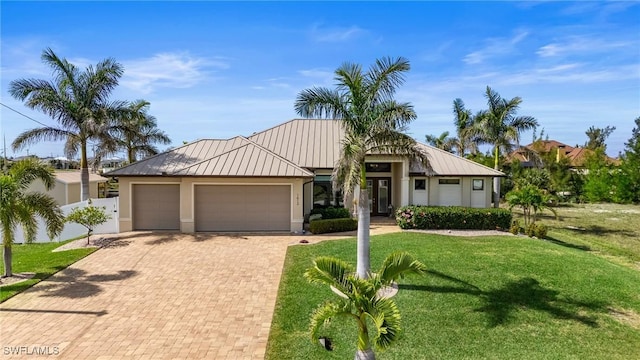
(362, 299)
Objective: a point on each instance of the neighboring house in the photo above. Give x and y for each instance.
(271, 179)
(577, 156)
(67, 187)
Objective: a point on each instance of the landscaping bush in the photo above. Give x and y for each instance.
(515, 227)
(537, 229)
(333, 225)
(452, 217)
(332, 213)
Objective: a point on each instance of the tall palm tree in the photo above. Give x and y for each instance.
(360, 299)
(373, 123)
(463, 121)
(499, 126)
(20, 207)
(443, 141)
(135, 132)
(77, 100)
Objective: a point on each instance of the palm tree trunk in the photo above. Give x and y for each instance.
(364, 345)
(364, 219)
(365, 355)
(496, 182)
(84, 173)
(6, 257)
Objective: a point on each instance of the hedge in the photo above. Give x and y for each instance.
(332, 213)
(452, 217)
(333, 225)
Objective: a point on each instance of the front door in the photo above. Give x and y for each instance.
(379, 196)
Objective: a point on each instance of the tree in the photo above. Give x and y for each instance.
(20, 207)
(89, 217)
(599, 178)
(361, 300)
(443, 141)
(628, 184)
(135, 132)
(373, 123)
(463, 121)
(499, 126)
(597, 137)
(531, 199)
(77, 100)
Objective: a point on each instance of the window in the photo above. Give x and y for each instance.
(378, 167)
(420, 184)
(478, 184)
(324, 195)
(449, 181)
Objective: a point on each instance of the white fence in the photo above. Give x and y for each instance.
(72, 230)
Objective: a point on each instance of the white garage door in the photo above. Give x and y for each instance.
(156, 207)
(450, 192)
(243, 208)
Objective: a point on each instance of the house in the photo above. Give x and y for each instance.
(67, 187)
(528, 156)
(271, 179)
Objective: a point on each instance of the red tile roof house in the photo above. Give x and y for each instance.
(271, 179)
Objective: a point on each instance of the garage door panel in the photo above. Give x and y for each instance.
(243, 207)
(156, 207)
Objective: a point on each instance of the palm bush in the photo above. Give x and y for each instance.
(361, 299)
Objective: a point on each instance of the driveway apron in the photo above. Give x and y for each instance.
(155, 296)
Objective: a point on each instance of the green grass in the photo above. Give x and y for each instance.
(484, 298)
(611, 230)
(39, 259)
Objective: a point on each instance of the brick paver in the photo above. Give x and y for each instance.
(155, 296)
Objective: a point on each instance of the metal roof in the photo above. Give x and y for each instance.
(73, 177)
(287, 150)
(309, 143)
(237, 156)
(444, 163)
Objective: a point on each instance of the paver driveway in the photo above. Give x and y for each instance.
(153, 296)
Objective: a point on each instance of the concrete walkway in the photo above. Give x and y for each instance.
(155, 296)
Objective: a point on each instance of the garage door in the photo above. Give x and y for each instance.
(243, 208)
(450, 192)
(156, 207)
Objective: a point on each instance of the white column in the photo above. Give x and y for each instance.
(405, 186)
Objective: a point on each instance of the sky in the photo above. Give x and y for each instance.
(220, 69)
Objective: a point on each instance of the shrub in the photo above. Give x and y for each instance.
(333, 225)
(540, 231)
(515, 227)
(537, 229)
(332, 213)
(452, 217)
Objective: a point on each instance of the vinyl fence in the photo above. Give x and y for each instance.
(72, 230)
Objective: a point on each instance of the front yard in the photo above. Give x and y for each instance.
(38, 259)
(576, 296)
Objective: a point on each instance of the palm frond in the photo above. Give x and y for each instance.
(323, 315)
(26, 171)
(330, 271)
(398, 264)
(386, 317)
(320, 102)
(34, 136)
(46, 207)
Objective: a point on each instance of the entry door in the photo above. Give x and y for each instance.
(379, 196)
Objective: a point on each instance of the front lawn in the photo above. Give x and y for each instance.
(38, 259)
(484, 298)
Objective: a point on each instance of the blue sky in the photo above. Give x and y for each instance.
(220, 69)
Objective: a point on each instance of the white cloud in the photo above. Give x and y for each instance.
(583, 45)
(169, 70)
(337, 34)
(495, 47)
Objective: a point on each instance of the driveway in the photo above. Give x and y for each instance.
(151, 295)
